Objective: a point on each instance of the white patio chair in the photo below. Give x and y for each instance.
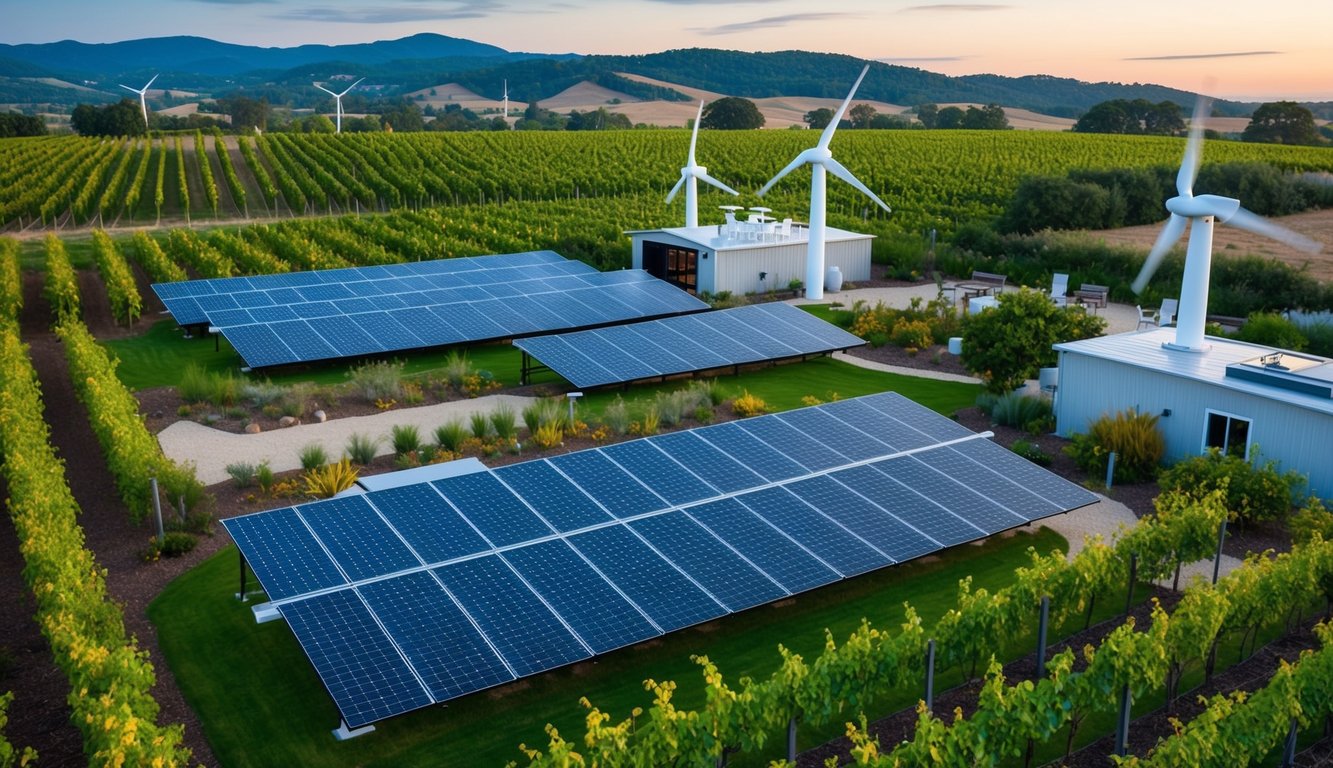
(1059, 289)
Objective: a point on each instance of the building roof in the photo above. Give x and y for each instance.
(1144, 350)
(712, 237)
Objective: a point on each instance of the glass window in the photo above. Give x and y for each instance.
(1229, 434)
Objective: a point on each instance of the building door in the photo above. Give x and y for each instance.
(674, 264)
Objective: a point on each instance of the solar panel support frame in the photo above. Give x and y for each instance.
(343, 733)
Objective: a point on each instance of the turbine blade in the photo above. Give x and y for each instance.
(710, 180)
(1175, 227)
(675, 189)
(1253, 222)
(1189, 167)
(326, 90)
(150, 82)
(126, 87)
(827, 135)
(793, 165)
(694, 137)
(838, 169)
(350, 87)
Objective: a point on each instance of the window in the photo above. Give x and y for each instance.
(1227, 433)
(678, 266)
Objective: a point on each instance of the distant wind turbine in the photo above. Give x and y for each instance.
(506, 102)
(1200, 212)
(690, 176)
(338, 101)
(143, 103)
(820, 160)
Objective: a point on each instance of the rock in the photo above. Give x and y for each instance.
(253, 429)
(157, 414)
(288, 421)
(321, 417)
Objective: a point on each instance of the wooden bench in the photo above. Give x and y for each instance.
(1090, 295)
(982, 284)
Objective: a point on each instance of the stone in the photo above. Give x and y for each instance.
(321, 417)
(288, 421)
(253, 429)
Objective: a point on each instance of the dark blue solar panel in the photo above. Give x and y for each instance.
(621, 362)
(706, 461)
(964, 502)
(647, 350)
(214, 302)
(552, 495)
(809, 452)
(251, 299)
(316, 309)
(525, 632)
(262, 345)
(500, 313)
(878, 424)
(531, 308)
(760, 341)
(387, 331)
(781, 558)
(909, 504)
(365, 288)
(302, 340)
(672, 600)
(283, 553)
(386, 303)
(671, 335)
(619, 493)
(859, 515)
(429, 525)
(656, 469)
(697, 327)
(500, 515)
(356, 537)
(787, 316)
(356, 305)
(1006, 492)
(427, 326)
(230, 317)
(344, 335)
(938, 427)
(572, 312)
(272, 314)
(714, 565)
(446, 650)
(1018, 470)
(185, 310)
(751, 451)
(472, 324)
(364, 673)
(559, 355)
(284, 296)
(586, 601)
(838, 435)
(829, 541)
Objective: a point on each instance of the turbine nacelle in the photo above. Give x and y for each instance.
(1220, 208)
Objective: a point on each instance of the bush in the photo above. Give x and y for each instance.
(406, 438)
(242, 473)
(1131, 435)
(378, 381)
(547, 435)
(1254, 490)
(503, 424)
(748, 405)
(361, 448)
(1273, 330)
(173, 544)
(195, 385)
(616, 416)
(1029, 413)
(450, 435)
(912, 334)
(480, 423)
(456, 370)
(330, 480)
(313, 456)
(264, 476)
(1032, 452)
(1007, 345)
(1311, 520)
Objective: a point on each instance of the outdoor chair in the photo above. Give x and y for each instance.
(1147, 317)
(1059, 289)
(1167, 314)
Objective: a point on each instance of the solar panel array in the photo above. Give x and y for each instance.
(624, 353)
(307, 316)
(419, 594)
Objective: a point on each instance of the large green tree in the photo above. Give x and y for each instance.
(1137, 116)
(989, 118)
(732, 113)
(124, 118)
(1282, 122)
(1007, 344)
(819, 118)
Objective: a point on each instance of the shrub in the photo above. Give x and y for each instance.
(406, 438)
(547, 435)
(456, 370)
(1254, 490)
(671, 406)
(502, 422)
(361, 448)
(450, 435)
(1006, 345)
(1032, 452)
(1131, 435)
(651, 420)
(1029, 413)
(703, 414)
(911, 334)
(710, 389)
(378, 381)
(242, 473)
(173, 544)
(313, 456)
(748, 405)
(330, 480)
(195, 385)
(480, 423)
(1311, 520)
(260, 393)
(264, 476)
(1273, 330)
(616, 416)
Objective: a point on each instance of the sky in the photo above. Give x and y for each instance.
(1240, 49)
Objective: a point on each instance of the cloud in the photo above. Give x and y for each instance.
(236, 2)
(1183, 56)
(771, 22)
(902, 59)
(390, 15)
(710, 2)
(955, 8)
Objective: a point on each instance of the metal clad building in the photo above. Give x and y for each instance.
(1233, 396)
(714, 259)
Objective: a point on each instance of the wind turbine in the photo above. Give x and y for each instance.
(143, 103)
(821, 160)
(338, 101)
(506, 102)
(1200, 213)
(691, 175)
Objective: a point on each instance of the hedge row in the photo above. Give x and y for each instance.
(110, 677)
(62, 283)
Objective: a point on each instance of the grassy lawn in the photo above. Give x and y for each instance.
(262, 704)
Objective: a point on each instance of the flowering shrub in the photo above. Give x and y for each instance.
(748, 405)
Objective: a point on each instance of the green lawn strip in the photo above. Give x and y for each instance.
(261, 702)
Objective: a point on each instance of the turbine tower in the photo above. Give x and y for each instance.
(143, 102)
(338, 101)
(820, 160)
(691, 175)
(1200, 213)
(506, 102)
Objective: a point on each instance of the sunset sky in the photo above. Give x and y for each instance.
(1249, 50)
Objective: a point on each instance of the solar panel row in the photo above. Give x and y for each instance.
(479, 579)
(739, 336)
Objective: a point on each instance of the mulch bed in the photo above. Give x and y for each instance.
(39, 716)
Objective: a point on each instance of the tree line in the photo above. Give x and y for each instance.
(1279, 122)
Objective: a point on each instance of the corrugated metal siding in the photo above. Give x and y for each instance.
(738, 269)
(1297, 438)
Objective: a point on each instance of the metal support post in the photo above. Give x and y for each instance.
(157, 509)
(1041, 636)
(930, 674)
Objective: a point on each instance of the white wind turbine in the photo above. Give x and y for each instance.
(691, 175)
(820, 160)
(506, 98)
(1200, 213)
(338, 101)
(143, 102)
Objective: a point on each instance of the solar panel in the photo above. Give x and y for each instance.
(342, 311)
(421, 593)
(685, 344)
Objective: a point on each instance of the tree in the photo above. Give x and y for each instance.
(15, 124)
(1281, 122)
(732, 113)
(950, 117)
(1007, 344)
(819, 118)
(1137, 116)
(862, 115)
(123, 118)
(404, 116)
(928, 114)
(1106, 117)
(246, 112)
(988, 118)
